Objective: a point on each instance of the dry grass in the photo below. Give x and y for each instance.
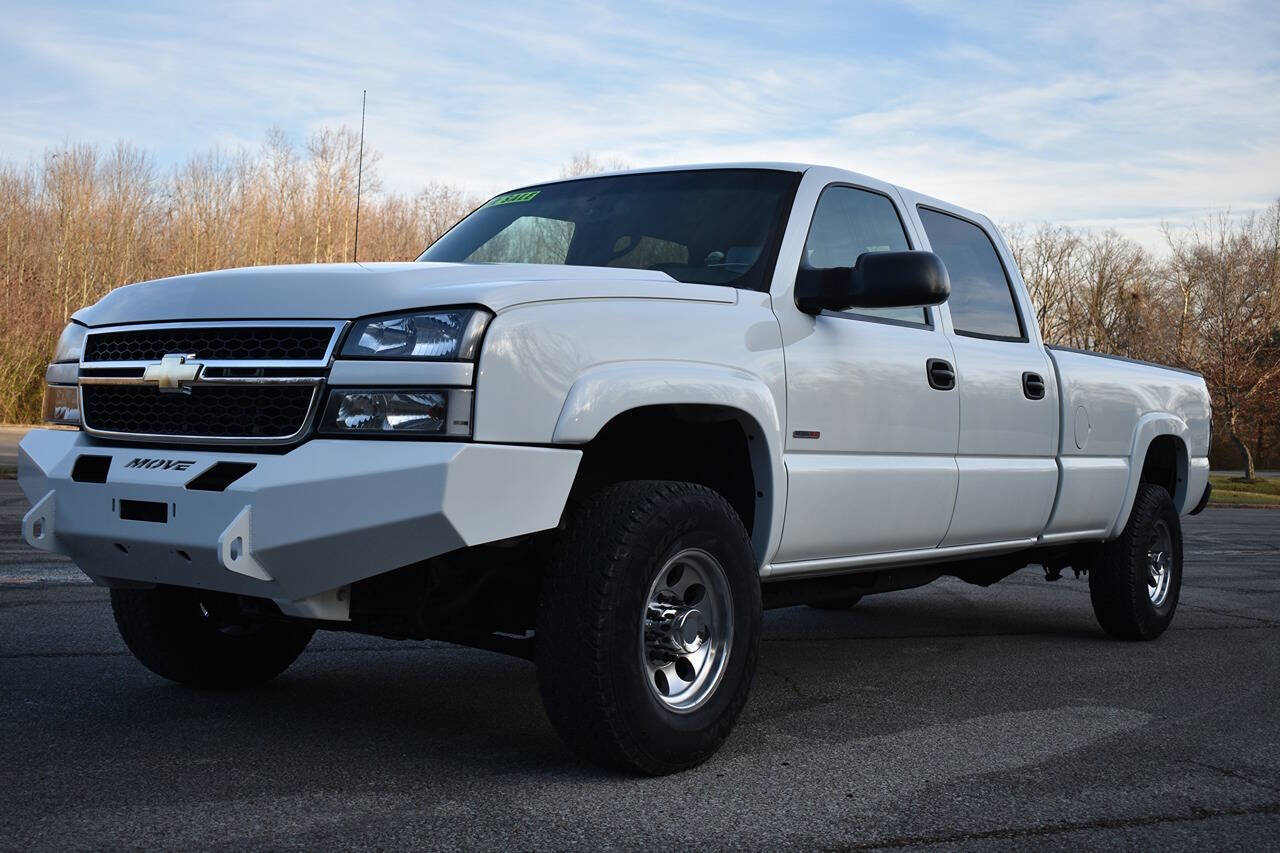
(85, 221)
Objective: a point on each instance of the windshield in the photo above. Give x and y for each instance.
(709, 226)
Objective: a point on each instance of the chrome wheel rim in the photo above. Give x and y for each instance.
(687, 630)
(1159, 563)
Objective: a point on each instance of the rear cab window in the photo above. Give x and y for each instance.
(982, 303)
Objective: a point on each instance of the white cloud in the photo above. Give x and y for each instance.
(1094, 112)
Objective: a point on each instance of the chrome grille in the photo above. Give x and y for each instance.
(205, 382)
(211, 411)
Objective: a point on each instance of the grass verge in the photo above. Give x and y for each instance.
(1233, 491)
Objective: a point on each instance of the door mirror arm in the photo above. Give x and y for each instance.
(819, 290)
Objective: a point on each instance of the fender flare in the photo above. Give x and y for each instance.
(1150, 427)
(606, 391)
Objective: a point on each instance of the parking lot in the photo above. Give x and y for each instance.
(941, 718)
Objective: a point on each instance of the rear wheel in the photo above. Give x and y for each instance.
(1135, 580)
(648, 626)
(193, 637)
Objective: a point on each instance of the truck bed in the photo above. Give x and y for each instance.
(1111, 408)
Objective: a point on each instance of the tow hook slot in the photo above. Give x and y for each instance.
(152, 511)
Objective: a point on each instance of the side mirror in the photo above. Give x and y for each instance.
(876, 280)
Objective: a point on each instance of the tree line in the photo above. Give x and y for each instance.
(83, 220)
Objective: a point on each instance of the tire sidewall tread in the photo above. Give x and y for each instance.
(163, 629)
(588, 640)
(1117, 578)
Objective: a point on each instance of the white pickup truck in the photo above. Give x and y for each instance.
(601, 424)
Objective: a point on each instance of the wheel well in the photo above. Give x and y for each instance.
(718, 447)
(1166, 465)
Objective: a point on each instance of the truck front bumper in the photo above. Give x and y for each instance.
(297, 526)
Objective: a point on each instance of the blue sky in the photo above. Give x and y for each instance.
(1099, 114)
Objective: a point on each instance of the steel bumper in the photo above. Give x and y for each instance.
(297, 525)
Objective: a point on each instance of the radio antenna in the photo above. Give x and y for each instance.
(355, 248)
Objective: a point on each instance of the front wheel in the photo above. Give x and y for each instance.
(1135, 580)
(648, 626)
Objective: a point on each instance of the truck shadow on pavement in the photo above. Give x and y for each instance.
(351, 702)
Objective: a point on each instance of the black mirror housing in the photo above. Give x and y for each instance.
(876, 280)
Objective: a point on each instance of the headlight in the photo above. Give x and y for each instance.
(452, 335)
(379, 411)
(70, 344)
(62, 404)
(61, 396)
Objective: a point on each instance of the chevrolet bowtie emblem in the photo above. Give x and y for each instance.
(173, 373)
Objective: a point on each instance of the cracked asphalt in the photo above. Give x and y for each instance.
(945, 718)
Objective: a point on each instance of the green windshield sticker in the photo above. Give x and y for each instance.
(511, 198)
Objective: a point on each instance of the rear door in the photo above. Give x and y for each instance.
(1008, 399)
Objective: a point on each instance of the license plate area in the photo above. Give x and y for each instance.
(152, 511)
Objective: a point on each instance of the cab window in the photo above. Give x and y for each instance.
(849, 222)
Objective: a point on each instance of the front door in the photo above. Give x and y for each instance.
(871, 438)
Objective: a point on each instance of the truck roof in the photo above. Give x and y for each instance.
(686, 167)
(834, 173)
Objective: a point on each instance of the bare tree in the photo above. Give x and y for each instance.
(1116, 295)
(586, 163)
(82, 222)
(1091, 290)
(1230, 270)
(438, 207)
(1049, 260)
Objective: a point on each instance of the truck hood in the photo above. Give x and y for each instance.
(346, 291)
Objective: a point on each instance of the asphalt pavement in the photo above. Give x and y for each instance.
(949, 717)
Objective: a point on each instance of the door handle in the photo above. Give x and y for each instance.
(1033, 386)
(942, 376)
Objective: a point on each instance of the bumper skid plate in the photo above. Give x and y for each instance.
(296, 528)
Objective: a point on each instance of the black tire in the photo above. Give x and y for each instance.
(590, 652)
(175, 633)
(1120, 578)
(841, 602)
